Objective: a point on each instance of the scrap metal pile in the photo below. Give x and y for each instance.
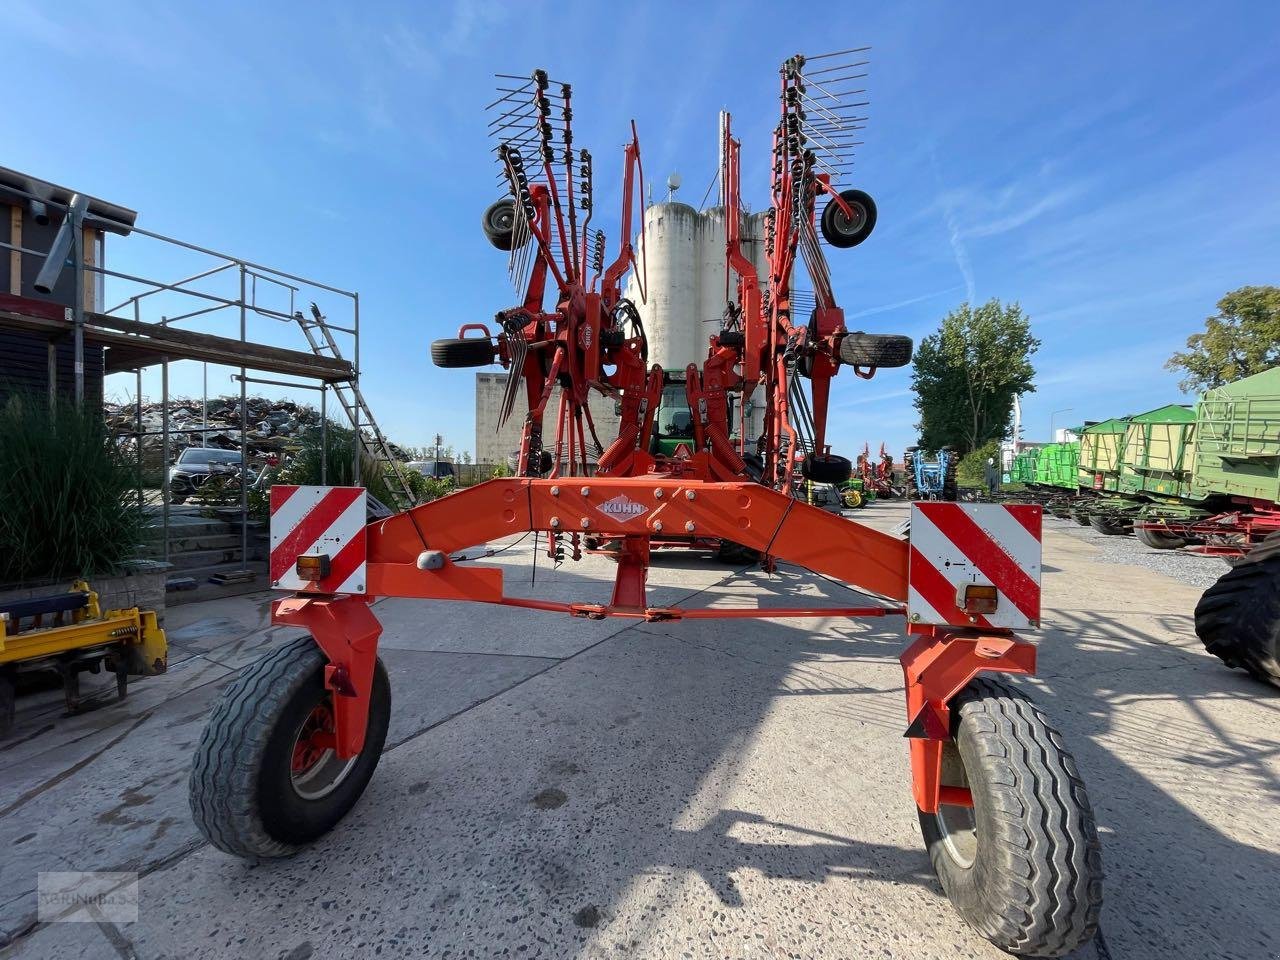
(276, 427)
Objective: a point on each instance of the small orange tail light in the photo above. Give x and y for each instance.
(978, 598)
(312, 566)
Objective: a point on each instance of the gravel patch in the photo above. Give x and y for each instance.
(1191, 568)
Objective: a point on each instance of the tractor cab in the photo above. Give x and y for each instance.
(673, 425)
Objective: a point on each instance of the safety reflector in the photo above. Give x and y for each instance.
(974, 565)
(318, 539)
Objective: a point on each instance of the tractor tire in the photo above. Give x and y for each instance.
(1157, 540)
(468, 352)
(844, 232)
(1112, 528)
(1023, 865)
(499, 223)
(248, 794)
(853, 499)
(826, 468)
(875, 350)
(1238, 618)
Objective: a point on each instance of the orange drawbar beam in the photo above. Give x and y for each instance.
(651, 505)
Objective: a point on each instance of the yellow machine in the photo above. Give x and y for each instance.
(69, 633)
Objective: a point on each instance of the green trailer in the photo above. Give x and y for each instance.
(1023, 468)
(1100, 449)
(1157, 453)
(1237, 452)
(1058, 465)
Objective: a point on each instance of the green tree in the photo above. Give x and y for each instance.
(967, 374)
(1242, 339)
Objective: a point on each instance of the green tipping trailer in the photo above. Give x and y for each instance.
(1157, 453)
(1100, 448)
(1058, 465)
(1237, 451)
(1023, 467)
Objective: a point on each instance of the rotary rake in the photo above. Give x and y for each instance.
(293, 743)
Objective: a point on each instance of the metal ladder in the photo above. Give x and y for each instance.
(352, 400)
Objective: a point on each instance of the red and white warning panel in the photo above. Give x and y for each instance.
(318, 539)
(974, 564)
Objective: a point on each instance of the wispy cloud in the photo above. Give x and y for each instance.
(858, 400)
(886, 307)
(958, 250)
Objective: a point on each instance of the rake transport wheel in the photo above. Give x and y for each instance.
(499, 223)
(826, 468)
(265, 780)
(1238, 618)
(842, 231)
(1023, 865)
(467, 352)
(875, 350)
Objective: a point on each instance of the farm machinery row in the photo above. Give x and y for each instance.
(294, 741)
(1204, 478)
(926, 475)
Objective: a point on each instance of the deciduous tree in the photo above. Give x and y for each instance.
(967, 374)
(1242, 339)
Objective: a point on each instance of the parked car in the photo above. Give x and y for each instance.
(435, 469)
(196, 466)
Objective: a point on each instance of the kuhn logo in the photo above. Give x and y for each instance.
(623, 507)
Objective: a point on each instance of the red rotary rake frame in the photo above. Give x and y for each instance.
(972, 578)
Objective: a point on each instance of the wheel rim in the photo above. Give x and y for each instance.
(956, 823)
(959, 834)
(852, 224)
(315, 769)
(503, 219)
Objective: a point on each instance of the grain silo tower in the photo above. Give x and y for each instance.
(683, 252)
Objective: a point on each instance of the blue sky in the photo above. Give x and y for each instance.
(1110, 166)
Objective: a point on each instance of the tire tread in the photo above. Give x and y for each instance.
(1050, 868)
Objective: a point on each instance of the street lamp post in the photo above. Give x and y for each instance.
(1052, 417)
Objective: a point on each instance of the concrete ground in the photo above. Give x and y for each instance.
(562, 788)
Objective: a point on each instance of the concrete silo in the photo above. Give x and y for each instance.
(686, 290)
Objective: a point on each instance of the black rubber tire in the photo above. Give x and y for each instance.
(1034, 886)
(950, 483)
(843, 232)
(875, 350)
(499, 222)
(241, 794)
(468, 352)
(1157, 540)
(826, 468)
(8, 704)
(1238, 618)
(734, 339)
(735, 553)
(1112, 528)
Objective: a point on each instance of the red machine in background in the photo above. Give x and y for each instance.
(877, 475)
(989, 774)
